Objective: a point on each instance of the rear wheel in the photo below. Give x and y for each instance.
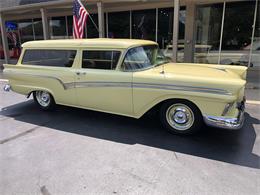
(181, 117)
(44, 100)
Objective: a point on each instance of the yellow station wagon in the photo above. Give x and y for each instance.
(129, 77)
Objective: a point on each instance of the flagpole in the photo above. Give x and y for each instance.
(93, 22)
(89, 16)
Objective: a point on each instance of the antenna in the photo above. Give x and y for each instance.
(162, 72)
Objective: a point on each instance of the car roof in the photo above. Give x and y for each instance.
(89, 43)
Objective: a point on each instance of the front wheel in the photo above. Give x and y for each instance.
(181, 117)
(44, 99)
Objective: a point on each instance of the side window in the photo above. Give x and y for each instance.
(42, 57)
(106, 60)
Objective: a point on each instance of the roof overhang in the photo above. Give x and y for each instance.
(64, 7)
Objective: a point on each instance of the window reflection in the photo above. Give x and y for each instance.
(119, 25)
(144, 24)
(92, 32)
(25, 30)
(208, 29)
(70, 26)
(165, 26)
(237, 32)
(18, 33)
(58, 27)
(38, 31)
(165, 31)
(2, 56)
(255, 57)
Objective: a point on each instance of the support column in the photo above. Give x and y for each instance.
(175, 30)
(130, 22)
(4, 38)
(156, 25)
(189, 32)
(45, 25)
(100, 19)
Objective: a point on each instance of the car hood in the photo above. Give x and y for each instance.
(194, 70)
(229, 78)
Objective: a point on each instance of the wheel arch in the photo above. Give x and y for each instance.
(157, 105)
(32, 91)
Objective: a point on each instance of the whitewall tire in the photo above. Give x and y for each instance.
(44, 100)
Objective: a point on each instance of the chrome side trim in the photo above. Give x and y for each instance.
(151, 86)
(225, 123)
(102, 84)
(182, 88)
(43, 76)
(72, 85)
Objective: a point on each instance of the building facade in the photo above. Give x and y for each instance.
(203, 31)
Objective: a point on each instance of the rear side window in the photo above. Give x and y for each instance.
(59, 58)
(106, 60)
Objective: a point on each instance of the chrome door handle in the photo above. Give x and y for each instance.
(80, 73)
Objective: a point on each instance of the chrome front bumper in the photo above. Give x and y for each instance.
(227, 123)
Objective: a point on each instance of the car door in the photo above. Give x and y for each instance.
(100, 86)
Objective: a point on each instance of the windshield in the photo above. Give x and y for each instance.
(143, 57)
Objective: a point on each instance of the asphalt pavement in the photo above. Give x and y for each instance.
(76, 151)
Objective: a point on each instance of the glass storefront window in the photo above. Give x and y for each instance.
(144, 24)
(237, 32)
(105, 25)
(18, 32)
(165, 30)
(165, 26)
(208, 30)
(119, 24)
(70, 26)
(2, 56)
(38, 31)
(92, 32)
(255, 57)
(90, 29)
(25, 28)
(58, 27)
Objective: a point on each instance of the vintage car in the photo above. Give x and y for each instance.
(129, 77)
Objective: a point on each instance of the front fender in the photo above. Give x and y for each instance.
(207, 105)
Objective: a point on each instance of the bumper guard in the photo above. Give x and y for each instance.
(227, 123)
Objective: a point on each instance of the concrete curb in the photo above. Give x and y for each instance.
(253, 102)
(252, 87)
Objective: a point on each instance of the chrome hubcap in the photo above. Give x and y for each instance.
(180, 117)
(43, 98)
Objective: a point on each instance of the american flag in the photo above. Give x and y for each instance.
(80, 16)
